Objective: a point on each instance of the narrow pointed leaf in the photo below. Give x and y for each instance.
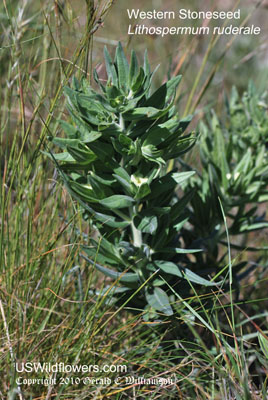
(134, 68)
(117, 201)
(126, 277)
(122, 66)
(110, 68)
(170, 268)
(159, 301)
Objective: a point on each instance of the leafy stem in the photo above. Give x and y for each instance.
(127, 136)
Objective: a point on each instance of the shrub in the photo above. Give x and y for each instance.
(115, 164)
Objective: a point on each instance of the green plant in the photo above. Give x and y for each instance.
(115, 164)
(234, 169)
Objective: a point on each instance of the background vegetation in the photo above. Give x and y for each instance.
(216, 346)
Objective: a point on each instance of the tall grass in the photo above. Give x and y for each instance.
(49, 304)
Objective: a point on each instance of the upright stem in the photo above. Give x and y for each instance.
(136, 234)
(121, 122)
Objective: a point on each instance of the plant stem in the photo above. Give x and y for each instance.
(121, 122)
(136, 234)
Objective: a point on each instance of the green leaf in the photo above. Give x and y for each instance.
(91, 136)
(177, 250)
(134, 68)
(125, 140)
(60, 156)
(146, 223)
(103, 150)
(184, 123)
(180, 224)
(69, 129)
(125, 184)
(253, 227)
(97, 80)
(110, 220)
(180, 147)
(102, 178)
(94, 103)
(145, 112)
(170, 268)
(114, 95)
(110, 68)
(179, 207)
(243, 165)
(87, 137)
(92, 117)
(75, 83)
(122, 66)
(83, 128)
(107, 247)
(64, 142)
(125, 277)
(85, 192)
(161, 185)
(191, 276)
(159, 300)
(106, 219)
(180, 177)
(110, 291)
(101, 257)
(138, 81)
(151, 153)
(117, 201)
(123, 174)
(82, 153)
(140, 113)
(162, 95)
(146, 64)
(156, 136)
(158, 282)
(71, 96)
(101, 191)
(143, 191)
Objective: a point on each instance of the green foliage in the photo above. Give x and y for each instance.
(115, 164)
(233, 152)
